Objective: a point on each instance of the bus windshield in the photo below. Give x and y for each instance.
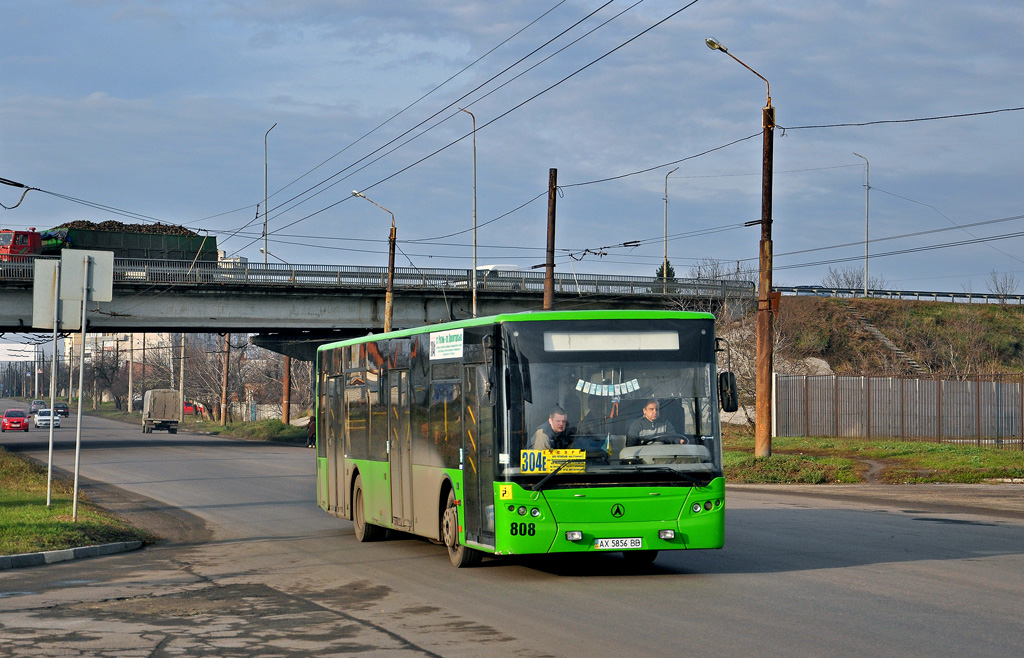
(612, 403)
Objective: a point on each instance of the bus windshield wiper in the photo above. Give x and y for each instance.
(669, 469)
(540, 485)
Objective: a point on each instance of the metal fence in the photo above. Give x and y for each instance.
(984, 410)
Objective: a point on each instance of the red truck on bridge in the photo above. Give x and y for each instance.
(13, 243)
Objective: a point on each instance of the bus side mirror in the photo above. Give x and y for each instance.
(485, 373)
(727, 394)
(485, 385)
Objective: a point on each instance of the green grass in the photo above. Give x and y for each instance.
(27, 525)
(836, 460)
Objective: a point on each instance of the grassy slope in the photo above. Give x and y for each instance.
(27, 525)
(950, 339)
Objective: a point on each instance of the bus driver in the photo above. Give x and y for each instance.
(649, 426)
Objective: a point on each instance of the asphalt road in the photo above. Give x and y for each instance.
(252, 567)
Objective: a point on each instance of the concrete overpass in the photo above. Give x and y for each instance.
(296, 307)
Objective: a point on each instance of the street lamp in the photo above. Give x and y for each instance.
(389, 294)
(867, 201)
(664, 261)
(474, 207)
(765, 347)
(264, 250)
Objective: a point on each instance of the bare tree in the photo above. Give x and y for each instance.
(1001, 283)
(108, 373)
(711, 268)
(852, 277)
(964, 352)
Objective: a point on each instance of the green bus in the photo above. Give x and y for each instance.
(436, 431)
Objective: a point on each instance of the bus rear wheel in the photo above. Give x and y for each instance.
(364, 531)
(461, 556)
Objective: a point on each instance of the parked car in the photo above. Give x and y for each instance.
(14, 419)
(43, 417)
(188, 407)
(36, 406)
(61, 409)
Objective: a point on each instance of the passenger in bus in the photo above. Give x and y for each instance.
(553, 434)
(649, 426)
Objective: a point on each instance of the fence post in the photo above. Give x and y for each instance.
(835, 404)
(938, 409)
(867, 407)
(807, 407)
(977, 411)
(903, 407)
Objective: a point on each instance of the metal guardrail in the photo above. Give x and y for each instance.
(226, 273)
(918, 295)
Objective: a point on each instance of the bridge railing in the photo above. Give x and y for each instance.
(917, 295)
(227, 273)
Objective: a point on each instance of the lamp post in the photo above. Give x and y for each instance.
(389, 294)
(474, 207)
(664, 260)
(265, 192)
(763, 378)
(867, 202)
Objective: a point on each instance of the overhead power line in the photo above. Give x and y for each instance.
(504, 114)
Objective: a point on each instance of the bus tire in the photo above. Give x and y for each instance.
(461, 556)
(364, 531)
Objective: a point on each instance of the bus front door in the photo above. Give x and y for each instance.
(334, 449)
(400, 448)
(478, 457)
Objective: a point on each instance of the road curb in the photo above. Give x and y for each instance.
(50, 557)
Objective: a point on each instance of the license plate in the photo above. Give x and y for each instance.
(618, 544)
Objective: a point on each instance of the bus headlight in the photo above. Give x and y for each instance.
(666, 534)
(522, 510)
(573, 535)
(534, 512)
(696, 508)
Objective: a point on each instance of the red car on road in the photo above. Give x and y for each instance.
(14, 419)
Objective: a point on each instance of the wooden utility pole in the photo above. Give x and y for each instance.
(765, 311)
(549, 269)
(224, 382)
(131, 373)
(181, 378)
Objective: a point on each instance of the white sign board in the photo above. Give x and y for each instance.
(69, 315)
(446, 344)
(101, 274)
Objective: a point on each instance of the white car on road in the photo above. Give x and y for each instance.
(43, 417)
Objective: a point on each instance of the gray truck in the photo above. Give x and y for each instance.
(161, 410)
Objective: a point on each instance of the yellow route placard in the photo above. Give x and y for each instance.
(546, 461)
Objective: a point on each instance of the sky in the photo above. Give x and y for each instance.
(160, 111)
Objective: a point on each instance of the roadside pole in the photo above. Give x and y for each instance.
(549, 267)
(81, 371)
(53, 381)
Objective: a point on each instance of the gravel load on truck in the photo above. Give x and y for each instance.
(113, 225)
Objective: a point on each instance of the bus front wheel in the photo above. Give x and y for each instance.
(461, 556)
(364, 531)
